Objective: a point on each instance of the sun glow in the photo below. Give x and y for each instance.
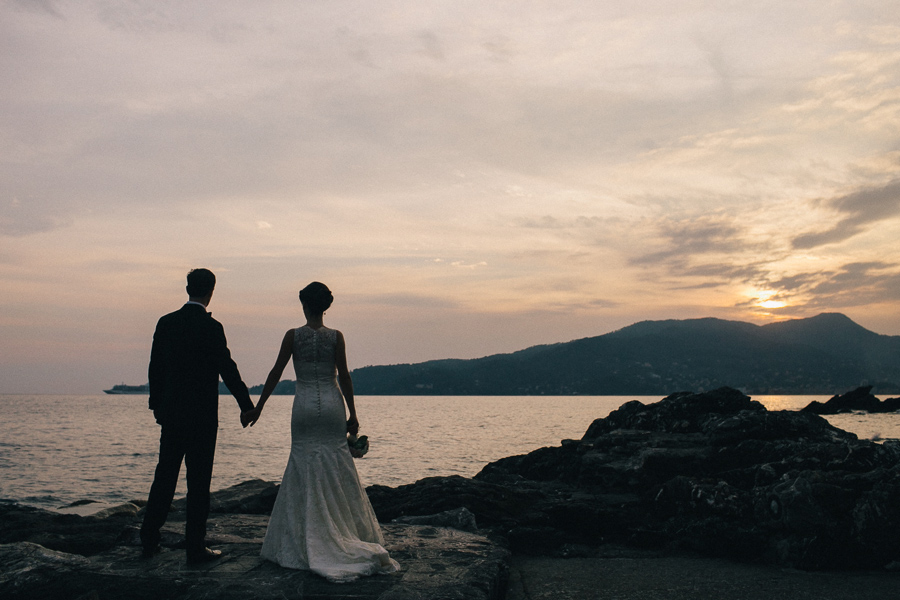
(772, 304)
(766, 299)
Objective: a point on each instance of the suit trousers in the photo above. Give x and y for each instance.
(196, 446)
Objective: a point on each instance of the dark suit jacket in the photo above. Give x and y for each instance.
(189, 354)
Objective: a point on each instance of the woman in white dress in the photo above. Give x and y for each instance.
(322, 520)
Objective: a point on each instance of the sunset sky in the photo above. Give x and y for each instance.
(468, 177)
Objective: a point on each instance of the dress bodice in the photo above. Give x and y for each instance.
(314, 345)
(314, 354)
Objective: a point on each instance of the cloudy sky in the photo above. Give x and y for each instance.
(468, 177)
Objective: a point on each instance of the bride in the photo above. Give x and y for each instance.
(322, 520)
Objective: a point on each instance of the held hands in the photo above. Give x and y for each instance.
(250, 417)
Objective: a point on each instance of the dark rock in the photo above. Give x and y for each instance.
(27, 569)
(72, 534)
(82, 502)
(121, 510)
(253, 497)
(459, 518)
(860, 399)
(493, 505)
(684, 412)
(714, 473)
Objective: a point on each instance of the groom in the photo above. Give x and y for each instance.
(189, 354)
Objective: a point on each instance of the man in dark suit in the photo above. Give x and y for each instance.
(189, 354)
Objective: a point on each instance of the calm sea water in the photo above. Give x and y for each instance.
(57, 449)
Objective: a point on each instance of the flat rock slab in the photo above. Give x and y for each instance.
(436, 563)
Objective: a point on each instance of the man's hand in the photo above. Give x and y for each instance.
(250, 417)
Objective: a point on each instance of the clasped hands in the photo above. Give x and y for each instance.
(250, 417)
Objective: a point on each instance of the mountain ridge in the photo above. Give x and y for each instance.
(824, 354)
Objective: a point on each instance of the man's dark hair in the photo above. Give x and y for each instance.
(200, 282)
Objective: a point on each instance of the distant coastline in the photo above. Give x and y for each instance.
(825, 354)
(124, 389)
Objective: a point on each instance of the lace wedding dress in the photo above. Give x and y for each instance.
(322, 520)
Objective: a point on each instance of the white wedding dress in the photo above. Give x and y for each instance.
(322, 520)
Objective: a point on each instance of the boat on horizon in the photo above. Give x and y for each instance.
(129, 389)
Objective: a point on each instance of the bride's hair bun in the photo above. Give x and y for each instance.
(316, 297)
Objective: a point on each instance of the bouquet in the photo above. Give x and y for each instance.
(358, 445)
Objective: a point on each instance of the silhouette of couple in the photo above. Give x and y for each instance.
(322, 520)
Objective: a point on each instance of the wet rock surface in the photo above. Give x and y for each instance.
(714, 473)
(436, 562)
(638, 576)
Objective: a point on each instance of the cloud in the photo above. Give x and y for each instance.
(174, 114)
(725, 272)
(431, 46)
(683, 240)
(858, 284)
(861, 209)
(405, 301)
(850, 285)
(20, 218)
(38, 6)
(464, 265)
(796, 282)
(553, 222)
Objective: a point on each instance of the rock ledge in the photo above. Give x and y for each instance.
(436, 563)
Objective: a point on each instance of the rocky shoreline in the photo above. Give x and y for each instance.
(714, 473)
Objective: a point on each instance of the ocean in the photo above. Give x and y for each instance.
(58, 449)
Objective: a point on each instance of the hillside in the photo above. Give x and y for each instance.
(825, 354)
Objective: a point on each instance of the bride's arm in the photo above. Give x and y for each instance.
(346, 383)
(284, 354)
